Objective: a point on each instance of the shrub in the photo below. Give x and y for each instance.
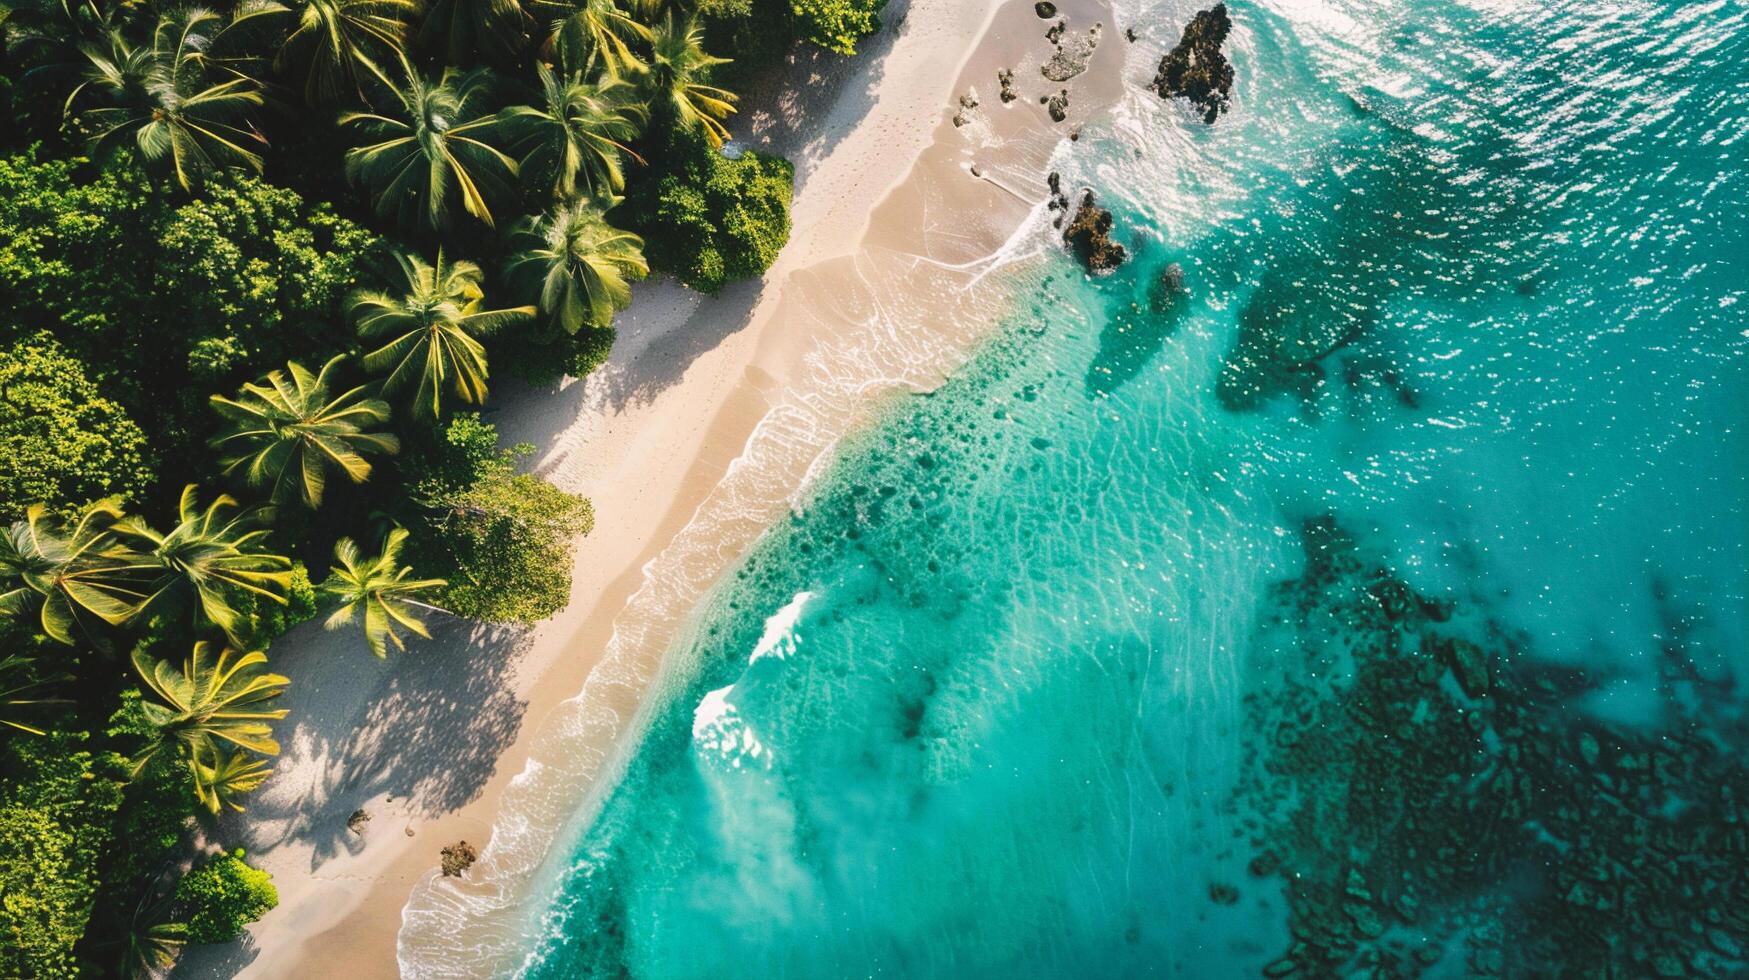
(837, 25)
(501, 538)
(222, 896)
(61, 440)
(56, 809)
(711, 220)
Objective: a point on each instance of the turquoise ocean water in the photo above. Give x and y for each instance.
(1376, 606)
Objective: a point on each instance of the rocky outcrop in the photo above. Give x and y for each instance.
(1073, 52)
(1089, 237)
(968, 102)
(1045, 9)
(1196, 69)
(1005, 78)
(458, 857)
(1057, 105)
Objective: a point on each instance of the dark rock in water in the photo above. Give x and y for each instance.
(1196, 69)
(1129, 34)
(1164, 292)
(1075, 135)
(1072, 54)
(1057, 105)
(1005, 78)
(1045, 9)
(1055, 34)
(968, 102)
(1223, 894)
(1089, 237)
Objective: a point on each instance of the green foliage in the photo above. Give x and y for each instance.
(286, 433)
(222, 896)
(678, 79)
(713, 220)
(164, 101)
(431, 151)
(579, 267)
(164, 303)
(429, 330)
(575, 139)
(74, 578)
(61, 440)
(55, 811)
(266, 620)
(502, 539)
(837, 25)
(377, 592)
(262, 273)
(212, 711)
(340, 45)
(209, 558)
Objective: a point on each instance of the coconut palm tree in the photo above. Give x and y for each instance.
(465, 31)
(207, 555)
(72, 578)
(164, 101)
(214, 710)
(576, 137)
(433, 148)
(583, 265)
(431, 332)
(22, 690)
(586, 35)
(338, 46)
(378, 593)
(679, 69)
(286, 432)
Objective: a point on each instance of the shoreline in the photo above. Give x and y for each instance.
(687, 463)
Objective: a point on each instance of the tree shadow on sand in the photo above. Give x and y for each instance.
(217, 960)
(424, 728)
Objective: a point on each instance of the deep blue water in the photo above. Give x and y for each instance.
(1148, 645)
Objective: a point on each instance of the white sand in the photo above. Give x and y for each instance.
(690, 441)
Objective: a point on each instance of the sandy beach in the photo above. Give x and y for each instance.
(697, 435)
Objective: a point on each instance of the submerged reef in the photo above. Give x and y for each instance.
(1196, 69)
(1432, 799)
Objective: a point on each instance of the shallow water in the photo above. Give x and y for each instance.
(1377, 603)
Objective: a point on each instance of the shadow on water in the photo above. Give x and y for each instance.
(1136, 332)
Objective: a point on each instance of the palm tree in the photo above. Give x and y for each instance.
(679, 67)
(286, 432)
(577, 136)
(435, 147)
(340, 44)
(378, 592)
(155, 939)
(72, 576)
(160, 99)
(460, 30)
(583, 35)
(432, 330)
(208, 554)
(582, 263)
(214, 709)
(21, 689)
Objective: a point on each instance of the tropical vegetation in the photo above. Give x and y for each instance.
(262, 265)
